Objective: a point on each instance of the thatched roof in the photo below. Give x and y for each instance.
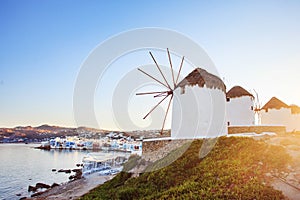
(202, 78)
(295, 109)
(274, 103)
(238, 91)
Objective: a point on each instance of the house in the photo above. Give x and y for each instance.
(199, 106)
(277, 112)
(239, 107)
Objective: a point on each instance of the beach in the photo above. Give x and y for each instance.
(74, 189)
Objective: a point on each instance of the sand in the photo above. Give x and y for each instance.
(74, 189)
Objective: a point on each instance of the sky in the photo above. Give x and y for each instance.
(254, 44)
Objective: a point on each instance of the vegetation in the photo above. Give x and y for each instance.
(235, 169)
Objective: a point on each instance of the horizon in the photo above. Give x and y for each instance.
(44, 44)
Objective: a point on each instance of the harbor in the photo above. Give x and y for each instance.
(111, 142)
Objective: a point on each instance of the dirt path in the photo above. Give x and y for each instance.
(290, 185)
(75, 189)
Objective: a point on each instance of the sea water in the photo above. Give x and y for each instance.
(21, 165)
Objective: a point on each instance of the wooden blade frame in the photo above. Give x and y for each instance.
(164, 94)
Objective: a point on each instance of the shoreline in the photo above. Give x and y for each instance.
(74, 189)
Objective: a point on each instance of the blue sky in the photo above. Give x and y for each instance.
(254, 44)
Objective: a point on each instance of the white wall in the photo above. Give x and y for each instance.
(239, 111)
(198, 113)
(281, 116)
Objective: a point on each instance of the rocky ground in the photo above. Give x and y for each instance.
(74, 189)
(290, 184)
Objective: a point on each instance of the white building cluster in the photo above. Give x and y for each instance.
(277, 112)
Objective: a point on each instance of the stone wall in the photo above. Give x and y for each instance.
(256, 129)
(154, 150)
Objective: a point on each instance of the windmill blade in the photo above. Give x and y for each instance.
(160, 70)
(145, 93)
(163, 94)
(163, 125)
(171, 67)
(155, 107)
(258, 105)
(153, 78)
(179, 71)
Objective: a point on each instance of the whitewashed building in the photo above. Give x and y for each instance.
(199, 106)
(240, 107)
(276, 112)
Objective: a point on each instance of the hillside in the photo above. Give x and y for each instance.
(44, 132)
(236, 168)
(34, 134)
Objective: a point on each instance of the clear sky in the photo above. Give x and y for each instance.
(254, 44)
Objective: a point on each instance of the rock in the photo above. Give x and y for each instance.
(42, 185)
(31, 188)
(76, 170)
(54, 170)
(54, 185)
(22, 198)
(67, 171)
(78, 174)
(77, 165)
(36, 194)
(72, 177)
(18, 195)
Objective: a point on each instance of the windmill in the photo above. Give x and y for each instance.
(257, 108)
(198, 77)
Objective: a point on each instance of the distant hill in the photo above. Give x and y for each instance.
(45, 131)
(31, 134)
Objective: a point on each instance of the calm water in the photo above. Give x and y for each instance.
(21, 165)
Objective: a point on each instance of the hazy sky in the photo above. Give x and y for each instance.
(254, 44)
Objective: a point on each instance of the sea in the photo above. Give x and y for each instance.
(22, 165)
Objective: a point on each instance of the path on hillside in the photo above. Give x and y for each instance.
(290, 185)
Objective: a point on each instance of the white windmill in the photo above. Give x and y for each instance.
(198, 102)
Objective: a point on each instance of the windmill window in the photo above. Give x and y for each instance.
(227, 99)
(251, 107)
(228, 123)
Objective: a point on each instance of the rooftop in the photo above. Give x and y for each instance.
(238, 91)
(275, 103)
(203, 78)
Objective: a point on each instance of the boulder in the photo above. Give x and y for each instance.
(54, 185)
(42, 185)
(76, 170)
(31, 188)
(78, 174)
(67, 171)
(36, 194)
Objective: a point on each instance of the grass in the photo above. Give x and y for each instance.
(234, 169)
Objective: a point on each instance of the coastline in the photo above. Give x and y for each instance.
(74, 189)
